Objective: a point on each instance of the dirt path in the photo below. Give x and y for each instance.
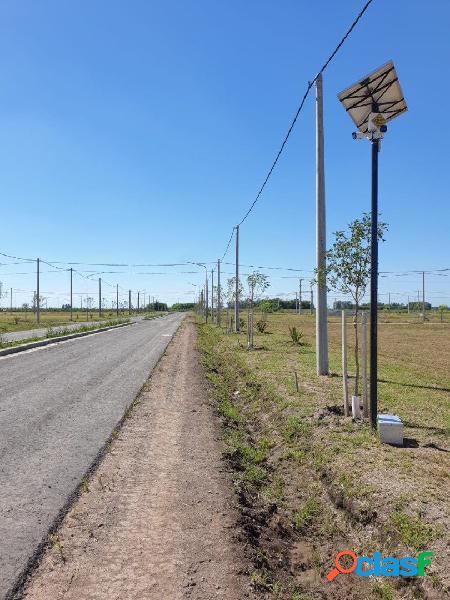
(159, 519)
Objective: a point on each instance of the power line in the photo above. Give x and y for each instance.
(297, 114)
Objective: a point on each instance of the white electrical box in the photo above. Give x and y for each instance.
(391, 429)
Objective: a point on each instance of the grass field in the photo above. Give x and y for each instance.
(335, 486)
(21, 320)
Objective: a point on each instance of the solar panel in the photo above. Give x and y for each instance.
(378, 92)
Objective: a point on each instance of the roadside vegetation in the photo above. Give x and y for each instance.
(25, 320)
(61, 332)
(312, 482)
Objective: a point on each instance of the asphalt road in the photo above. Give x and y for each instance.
(58, 406)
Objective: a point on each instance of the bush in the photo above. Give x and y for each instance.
(296, 335)
(261, 325)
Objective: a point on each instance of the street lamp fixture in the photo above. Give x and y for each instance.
(371, 103)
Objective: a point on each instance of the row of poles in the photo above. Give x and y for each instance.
(100, 303)
(321, 308)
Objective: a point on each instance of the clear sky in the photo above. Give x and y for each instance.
(139, 132)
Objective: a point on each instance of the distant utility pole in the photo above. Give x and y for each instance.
(99, 297)
(296, 302)
(219, 299)
(423, 296)
(206, 295)
(138, 302)
(129, 302)
(38, 307)
(237, 325)
(300, 296)
(311, 303)
(321, 249)
(11, 299)
(71, 294)
(117, 299)
(408, 305)
(212, 295)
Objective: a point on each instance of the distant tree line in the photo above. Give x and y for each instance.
(183, 306)
(272, 304)
(414, 306)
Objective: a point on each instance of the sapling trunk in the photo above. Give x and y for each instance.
(355, 325)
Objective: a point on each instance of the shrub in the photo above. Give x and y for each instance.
(261, 325)
(296, 335)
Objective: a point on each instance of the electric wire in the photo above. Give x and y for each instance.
(297, 114)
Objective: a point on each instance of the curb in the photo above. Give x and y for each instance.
(55, 340)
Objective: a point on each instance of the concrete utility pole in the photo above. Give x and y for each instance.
(300, 296)
(11, 299)
(408, 305)
(423, 296)
(296, 302)
(206, 295)
(321, 309)
(71, 294)
(219, 299)
(129, 302)
(212, 295)
(237, 325)
(138, 302)
(38, 307)
(99, 297)
(117, 299)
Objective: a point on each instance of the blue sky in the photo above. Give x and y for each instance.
(139, 133)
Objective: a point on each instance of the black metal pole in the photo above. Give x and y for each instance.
(374, 288)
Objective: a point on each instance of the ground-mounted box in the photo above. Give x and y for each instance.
(390, 428)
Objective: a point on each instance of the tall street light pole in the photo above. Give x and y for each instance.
(371, 103)
(374, 288)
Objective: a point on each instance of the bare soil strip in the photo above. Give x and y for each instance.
(158, 518)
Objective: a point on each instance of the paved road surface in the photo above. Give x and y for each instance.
(13, 336)
(58, 405)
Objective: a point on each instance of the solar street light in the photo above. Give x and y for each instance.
(371, 103)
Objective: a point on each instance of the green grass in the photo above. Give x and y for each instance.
(413, 532)
(304, 515)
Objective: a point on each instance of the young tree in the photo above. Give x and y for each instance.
(348, 267)
(257, 284)
(231, 289)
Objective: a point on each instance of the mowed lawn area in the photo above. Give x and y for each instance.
(335, 483)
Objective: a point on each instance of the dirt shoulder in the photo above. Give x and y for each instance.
(158, 518)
